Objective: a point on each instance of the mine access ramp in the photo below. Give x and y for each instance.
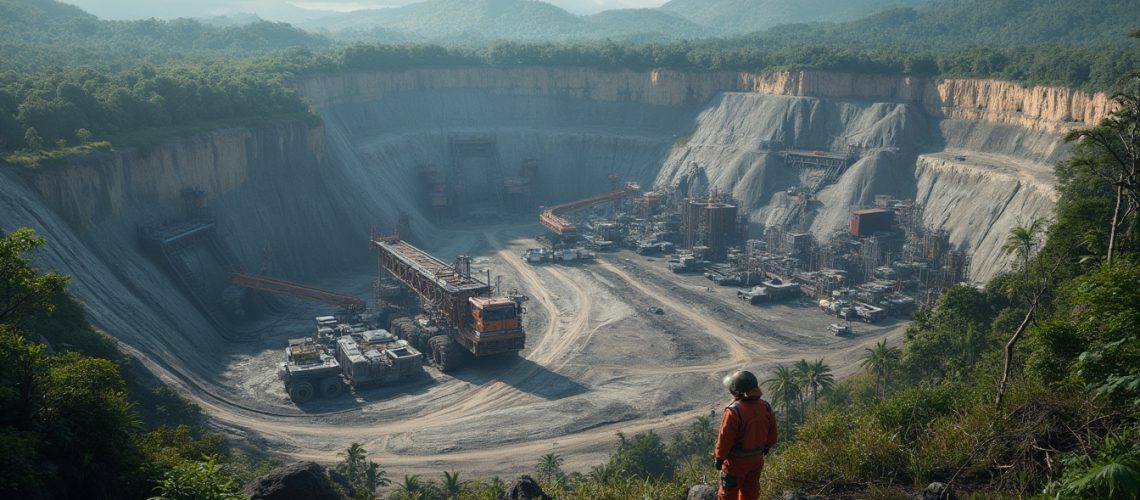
(554, 219)
(473, 319)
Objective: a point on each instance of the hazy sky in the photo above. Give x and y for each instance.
(287, 9)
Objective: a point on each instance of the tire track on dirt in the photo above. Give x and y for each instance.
(737, 354)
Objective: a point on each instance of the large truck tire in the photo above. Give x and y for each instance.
(399, 326)
(301, 391)
(445, 353)
(331, 387)
(417, 337)
(425, 336)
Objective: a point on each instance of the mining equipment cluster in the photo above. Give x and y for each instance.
(340, 353)
(466, 316)
(460, 318)
(884, 264)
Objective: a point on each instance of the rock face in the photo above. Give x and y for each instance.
(299, 481)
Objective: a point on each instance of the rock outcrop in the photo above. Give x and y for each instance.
(298, 481)
(524, 488)
(701, 492)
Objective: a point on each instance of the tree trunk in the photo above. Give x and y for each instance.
(1009, 355)
(1115, 219)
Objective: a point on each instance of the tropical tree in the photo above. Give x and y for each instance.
(604, 473)
(549, 468)
(203, 480)
(694, 444)
(784, 390)
(1111, 152)
(817, 377)
(801, 371)
(881, 361)
(413, 488)
(1023, 241)
(642, 456)
(375, 477)
(24, 290)
(364, 475)
(451, 485)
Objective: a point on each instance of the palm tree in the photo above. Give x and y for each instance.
(1022, 241)
(411, 488)
(452, 486)
(881, 360)
(354, 463)
(376, 477)
(364, 475)
(604, 473)
(549, 468)
(801, 371)
(818, 378)
(785, 391)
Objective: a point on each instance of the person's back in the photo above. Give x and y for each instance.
(747, 432)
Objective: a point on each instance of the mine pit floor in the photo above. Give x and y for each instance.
(599, 360)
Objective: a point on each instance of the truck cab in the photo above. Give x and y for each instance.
(494, 314)
(496, 326)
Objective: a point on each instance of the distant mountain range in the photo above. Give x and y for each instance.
(446, 20)
(910, 24)
(729, 17)
(457, 20)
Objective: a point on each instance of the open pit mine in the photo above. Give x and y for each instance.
(505, 261)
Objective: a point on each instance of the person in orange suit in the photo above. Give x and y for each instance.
(747, 433)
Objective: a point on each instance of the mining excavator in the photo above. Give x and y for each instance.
(464, 317)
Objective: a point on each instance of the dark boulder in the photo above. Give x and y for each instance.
(299, 481)
(938, 491)
(702, 492)
(524, 488)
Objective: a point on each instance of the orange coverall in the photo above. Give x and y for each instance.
(747, 431)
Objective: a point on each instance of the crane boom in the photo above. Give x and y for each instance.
(553, 218)
(432, 279)
(295, 290)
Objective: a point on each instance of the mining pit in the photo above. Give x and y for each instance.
(617, 343)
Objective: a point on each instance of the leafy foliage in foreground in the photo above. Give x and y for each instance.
(77, 417)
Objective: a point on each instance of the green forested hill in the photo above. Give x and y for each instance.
(458, 19)
(36, 33)
(639, 24)
(743, 16)
(968, 23)
(488, 20)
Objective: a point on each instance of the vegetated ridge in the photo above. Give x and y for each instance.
(450, 21)
(744, 16)
(973, 24)
(38, 33)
